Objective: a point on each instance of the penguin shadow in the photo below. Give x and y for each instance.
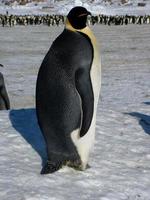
(25, 123)
(147, 103)
(144, 120)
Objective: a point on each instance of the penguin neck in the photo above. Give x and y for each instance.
(85, 30)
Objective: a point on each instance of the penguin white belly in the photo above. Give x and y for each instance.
(84, 144)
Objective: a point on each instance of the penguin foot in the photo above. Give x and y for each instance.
(81, 167)
(51, 167)
(76, 164)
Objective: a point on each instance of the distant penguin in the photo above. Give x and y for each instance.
(4, 99)
(67, 92)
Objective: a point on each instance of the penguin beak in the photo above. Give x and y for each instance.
(85, 14)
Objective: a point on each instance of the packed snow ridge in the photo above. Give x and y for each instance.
(108, 7)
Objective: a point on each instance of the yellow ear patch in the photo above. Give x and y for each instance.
(69, 26)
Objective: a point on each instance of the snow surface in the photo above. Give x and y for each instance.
(120, 162)
(63, 7)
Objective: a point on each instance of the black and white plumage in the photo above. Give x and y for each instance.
(4, 99)
(65, 94)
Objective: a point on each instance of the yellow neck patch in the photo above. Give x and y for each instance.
(85, 30)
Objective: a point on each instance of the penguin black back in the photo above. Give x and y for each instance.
(68, 61)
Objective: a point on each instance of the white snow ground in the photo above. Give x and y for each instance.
(120, 163)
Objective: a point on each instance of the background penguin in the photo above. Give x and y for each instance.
(4, 99)
(67, 91)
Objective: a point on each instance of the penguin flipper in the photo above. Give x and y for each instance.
(84, 88)
(3, 93)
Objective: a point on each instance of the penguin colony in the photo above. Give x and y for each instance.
(67, 92)
(56, 20)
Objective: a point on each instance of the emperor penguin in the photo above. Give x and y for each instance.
(67, 91)
(4, 99)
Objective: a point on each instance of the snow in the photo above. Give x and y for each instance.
(114, 7)
(120, 162)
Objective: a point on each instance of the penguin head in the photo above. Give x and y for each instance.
(78, 17)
